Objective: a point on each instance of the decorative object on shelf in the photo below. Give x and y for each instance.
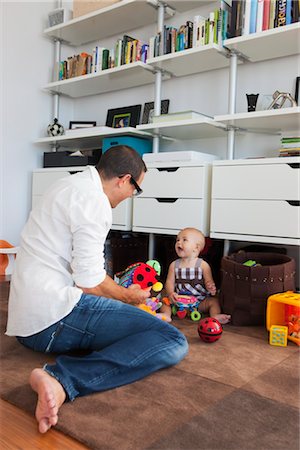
(297, 100)
(280, 98)
(263, 102)
(180, 115)
(252, 100)
(75, 125)
(55, 128)
(149, 110)
(59, 15)
(128, 116)
(81, 7)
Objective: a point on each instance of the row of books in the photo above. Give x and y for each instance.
(194, 33)
(254, 16)
(290, 146)
(125, 51)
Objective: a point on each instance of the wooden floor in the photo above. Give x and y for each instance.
(18, 429)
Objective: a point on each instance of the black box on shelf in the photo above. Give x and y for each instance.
(64, 159)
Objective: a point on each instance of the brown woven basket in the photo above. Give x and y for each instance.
(245, 290)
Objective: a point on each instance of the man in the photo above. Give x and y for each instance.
(61, 298)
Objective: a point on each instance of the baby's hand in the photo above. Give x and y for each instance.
(173, 297)
(211, 287)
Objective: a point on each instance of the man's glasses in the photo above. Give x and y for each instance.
(138, 190)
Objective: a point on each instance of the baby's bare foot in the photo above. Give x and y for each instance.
(51, 396)
(164, 317)
(223, 318)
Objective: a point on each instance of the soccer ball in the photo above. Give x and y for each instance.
(55, 129)
(209, 329)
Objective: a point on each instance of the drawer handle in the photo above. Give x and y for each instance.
(167, 169)
(166, 200)
(294, 165)
(293, 202)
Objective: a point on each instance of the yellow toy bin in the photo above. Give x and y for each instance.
(284, 309)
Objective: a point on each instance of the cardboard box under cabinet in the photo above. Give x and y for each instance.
(82, 7)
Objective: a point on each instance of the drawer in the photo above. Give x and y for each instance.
(265, 181)
(256, 217)
(183, 182)
(41, 181)
(151, 215)
(122, 216)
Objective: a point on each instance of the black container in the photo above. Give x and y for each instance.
(63, 159)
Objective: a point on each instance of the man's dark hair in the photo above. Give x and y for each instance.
(120, 160)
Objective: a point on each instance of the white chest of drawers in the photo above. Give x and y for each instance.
(257, 200)
(174, 197)
(43, 178)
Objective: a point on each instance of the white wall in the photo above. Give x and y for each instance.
(27, 59)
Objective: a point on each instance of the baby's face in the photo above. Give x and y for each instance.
(186, 245)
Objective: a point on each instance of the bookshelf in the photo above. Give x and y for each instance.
(117, 18)
(274, 43)
(123, 77)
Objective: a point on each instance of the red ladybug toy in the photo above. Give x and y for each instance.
(209, 329)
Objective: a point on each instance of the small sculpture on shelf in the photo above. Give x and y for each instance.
(252, 100)
(55, 129)
(280, 98)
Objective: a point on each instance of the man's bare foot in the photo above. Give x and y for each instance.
(51, 396)
(223, 318)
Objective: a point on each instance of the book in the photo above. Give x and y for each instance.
(259, 15)
(266, 15)
(87, 130)
(272, 13)
(253, 16)
(246, 19)
(182, 115)
(280, 17)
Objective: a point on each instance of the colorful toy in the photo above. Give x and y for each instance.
(251, 263)
(186, 305)
(210, 329)
(278, 335)
(283, 309)
(145, 275)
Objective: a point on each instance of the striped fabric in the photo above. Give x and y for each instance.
(188, 280)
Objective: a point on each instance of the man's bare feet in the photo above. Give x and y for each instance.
(51, 396)
(222, 318)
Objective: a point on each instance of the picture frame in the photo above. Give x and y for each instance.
(73, 125)
(149, 110)
(127, 116)
(297, 87)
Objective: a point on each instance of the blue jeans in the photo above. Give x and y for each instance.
(125, 344)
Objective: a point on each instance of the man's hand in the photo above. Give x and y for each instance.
(137, 295)
(173, 297)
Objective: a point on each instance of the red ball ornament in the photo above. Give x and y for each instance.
(209, 329)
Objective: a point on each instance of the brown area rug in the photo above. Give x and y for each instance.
(238, 393)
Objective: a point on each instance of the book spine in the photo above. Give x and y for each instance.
(272, 13)
(288, 12)
(253, 16)
(295, 11)
(266, 15)
(281, 20)
(259, 17)
(247, 14)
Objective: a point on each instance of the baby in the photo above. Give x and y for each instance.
(191, 275)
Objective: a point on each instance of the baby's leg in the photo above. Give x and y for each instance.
(166, 312)
(211, 306)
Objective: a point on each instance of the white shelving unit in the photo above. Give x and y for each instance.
(130, 14)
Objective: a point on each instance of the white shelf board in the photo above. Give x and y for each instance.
(256, 238)
(87, 139)
(273, 120)
(193, 60)
(117, 18)
(118, 78)
(268, 44)
(187, 129)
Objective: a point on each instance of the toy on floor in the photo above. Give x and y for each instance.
(186, 305)
(251, 263)
(210, 330)
(145, 275)
(278, 335)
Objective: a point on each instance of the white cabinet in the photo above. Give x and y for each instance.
(43, 178)
(173, 198)
(256, 200)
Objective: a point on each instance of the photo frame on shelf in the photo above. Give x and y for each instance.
(149, 110)
(73, 125)
(128, 116)
(297, 87)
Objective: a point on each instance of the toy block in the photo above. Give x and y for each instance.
(278, 335)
